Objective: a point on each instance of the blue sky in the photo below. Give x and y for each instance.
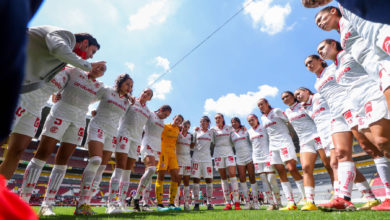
(259, 53)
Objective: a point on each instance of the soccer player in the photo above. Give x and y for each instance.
(282, 149)
(183, 148)
(49, 49)
(224, 159)
(374, 61)
(317, 108)
(365, 97)
(168, 162)
(261, 159)
(101, 138)
(309, 142)
(126, 150)
(65, 123)
(202, 164)
(151, 149)
(336, 96)
(28, 112)
(242, 145)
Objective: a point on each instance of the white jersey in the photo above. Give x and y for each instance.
(260, 146)
(183, 144)
(360, 87)
(153, 129)
(275, 124)
(334, 94)
(111, 108)
(34, 101)
(319, 111)
(372, 60)
(77, 95)
(302, 123)
(202, 151)
(368, 30)
(242, 144)
(134, 120)
(223, 144)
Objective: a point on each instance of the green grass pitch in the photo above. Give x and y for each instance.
(219, 213)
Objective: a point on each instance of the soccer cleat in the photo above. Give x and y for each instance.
(309, 206)
(187, 207)
(272, 207)
(46, 210)
(161, 208)
(136, 207)
(256, 205)
(369, 204)
(146, 208)
(210, 207)
(237, 206)
(337, 204)
(172, 207)
(302, 201)
(113, 209)
(228, 207)
(196, 207)
(290, 207)
(385, 206)
(84, 210)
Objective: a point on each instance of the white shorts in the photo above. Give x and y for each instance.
(97, 134)
(185, 170)
(312, 146)
(374, 111)
(64, 131)
(148, 151)
(327, 144)
(183, 160)
(265, 167)
(25, 123)
(243, 162)
(127, 146)
(339, 125)
(224, 162)
(202, 169)
(283, 154)
(384, 80)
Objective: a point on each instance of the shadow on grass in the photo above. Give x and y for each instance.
(132, 215)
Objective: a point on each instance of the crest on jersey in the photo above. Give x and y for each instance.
(97, 85)
(54, 129)
(231, 159)
(284, 151)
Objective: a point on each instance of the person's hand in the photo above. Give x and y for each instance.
(98, 65)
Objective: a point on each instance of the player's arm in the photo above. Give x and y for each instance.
(59, 44)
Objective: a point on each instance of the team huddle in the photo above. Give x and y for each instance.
(352, 101)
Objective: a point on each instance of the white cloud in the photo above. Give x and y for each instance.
(130, 66)
(239, 105)
(270, 18)
(163, 62)
(160, 88)
(155, 12)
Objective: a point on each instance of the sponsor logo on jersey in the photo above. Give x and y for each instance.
(36, 123)
(386, 45)
(297, 117)
(54, 129)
